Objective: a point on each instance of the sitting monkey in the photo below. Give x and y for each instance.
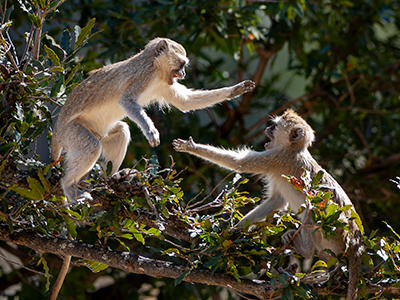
(89, 124)
(286, 154)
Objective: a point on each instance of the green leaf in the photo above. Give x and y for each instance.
(2, 166)
(123, 244)
(55, 3)
(213, 261)
(66, 40)
(346, 207)
(317, 178)
(331, 209)
(357, 219)
(331, 261)
(138, 236)
(23, 192)
(24, 128)
(46, 272)
(84, 33)
(36, 187)
(94, 266)
(373, 233)
(300, 290)
(41, 4)
(255, 252)
(35, 20)
(207, 225)
(154, 231)
(319, 264)
(56, 69)
(173, 251)
(127, 236)
(287, 294)
(180, 278)
(73, 214)
(71, 228)
(44, 182)
(52, 55)
(7, 15)
(57, 86)
(109, 169)
(367, 260)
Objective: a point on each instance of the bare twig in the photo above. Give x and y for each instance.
(22, 266)
(364, 142)
(45, 98)
(153, 208)
(27, 47)
(188, 207)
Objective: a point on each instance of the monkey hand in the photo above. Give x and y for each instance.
(242, 87)
(183, 146)
(288, 236)
(153, 137)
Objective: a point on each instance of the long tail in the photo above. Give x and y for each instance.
(354, 253)
(56, 149)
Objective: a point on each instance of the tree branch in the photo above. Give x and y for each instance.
(137, 264)
(131, 262)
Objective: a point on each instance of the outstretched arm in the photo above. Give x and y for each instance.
(186, 99)
(244, 161)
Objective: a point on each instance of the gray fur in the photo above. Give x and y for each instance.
(89, 124)
(286, 154)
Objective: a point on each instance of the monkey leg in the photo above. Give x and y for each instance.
(115, 144)
(83, 149)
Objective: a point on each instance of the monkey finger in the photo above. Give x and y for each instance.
(287, 236)
(249, 85)
(177, 144)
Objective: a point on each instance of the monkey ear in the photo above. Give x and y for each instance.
(296, 134)
(161, 46)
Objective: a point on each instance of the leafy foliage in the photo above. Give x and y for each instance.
(346, 54)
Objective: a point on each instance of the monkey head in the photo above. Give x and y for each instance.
(289, 130)
(170, 59)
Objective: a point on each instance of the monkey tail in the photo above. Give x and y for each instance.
(354, 253)
(56, 148)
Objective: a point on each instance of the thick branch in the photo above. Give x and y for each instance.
(134, 263)
(131, 262)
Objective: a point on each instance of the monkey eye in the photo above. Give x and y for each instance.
(273, 127)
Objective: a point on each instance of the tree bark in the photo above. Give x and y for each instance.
(134, 263)
(131, 262)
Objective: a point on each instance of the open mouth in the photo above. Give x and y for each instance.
(173, 76)
(268, 145)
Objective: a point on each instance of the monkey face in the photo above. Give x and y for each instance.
(269, 132)
(179, 72)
